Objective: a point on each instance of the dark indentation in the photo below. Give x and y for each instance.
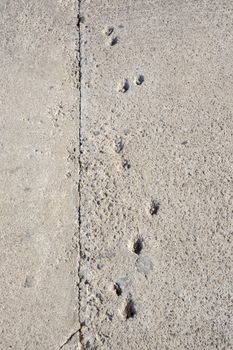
(123, 86)
(100, 297)
(119, 145)
(118, 289)
(184, 143)
(126, 164)
(139, 80)
(109, 315)
(82, 19)
(108, 30)
(130, 310)
(113, 41)
(154, 208)
(27, 189)
(72, 156)
(88, 344)
(28, 283)
(138, 246)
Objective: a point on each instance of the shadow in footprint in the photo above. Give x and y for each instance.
(154, 207)
(139, 80)
(123, 86)
(138, 246)
(130, 309)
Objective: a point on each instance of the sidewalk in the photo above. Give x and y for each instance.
(116, 175)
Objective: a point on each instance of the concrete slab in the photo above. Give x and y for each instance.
(126, 244)
(38, 190)
(156, 232)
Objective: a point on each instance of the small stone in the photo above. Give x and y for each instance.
(144, 264)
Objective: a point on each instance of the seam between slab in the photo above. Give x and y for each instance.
(79, 243)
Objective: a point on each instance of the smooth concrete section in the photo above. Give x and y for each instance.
(156, 160)
(38, 173)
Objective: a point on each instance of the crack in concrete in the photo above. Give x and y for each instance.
(69, 339)
(79, 77)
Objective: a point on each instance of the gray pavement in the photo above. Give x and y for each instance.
(39, 197)
(116, 175)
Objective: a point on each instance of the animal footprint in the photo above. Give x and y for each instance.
(154, 207)
(126, 164)
(108, 30)
(123, 86)
(138, 246)
(113, 40)
(118, 289)
(139, 80)
(119, 145)
(129, 309)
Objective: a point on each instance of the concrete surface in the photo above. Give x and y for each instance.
(39, 198)
(168, 140)
(127, 244)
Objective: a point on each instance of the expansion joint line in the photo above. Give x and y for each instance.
(79, 87)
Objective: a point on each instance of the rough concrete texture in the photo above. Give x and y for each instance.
(156, 196)
(127, 244)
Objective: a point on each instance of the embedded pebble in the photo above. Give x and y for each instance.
(144, 264)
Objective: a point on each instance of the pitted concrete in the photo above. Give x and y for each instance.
(156, 157)
(116, 175)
